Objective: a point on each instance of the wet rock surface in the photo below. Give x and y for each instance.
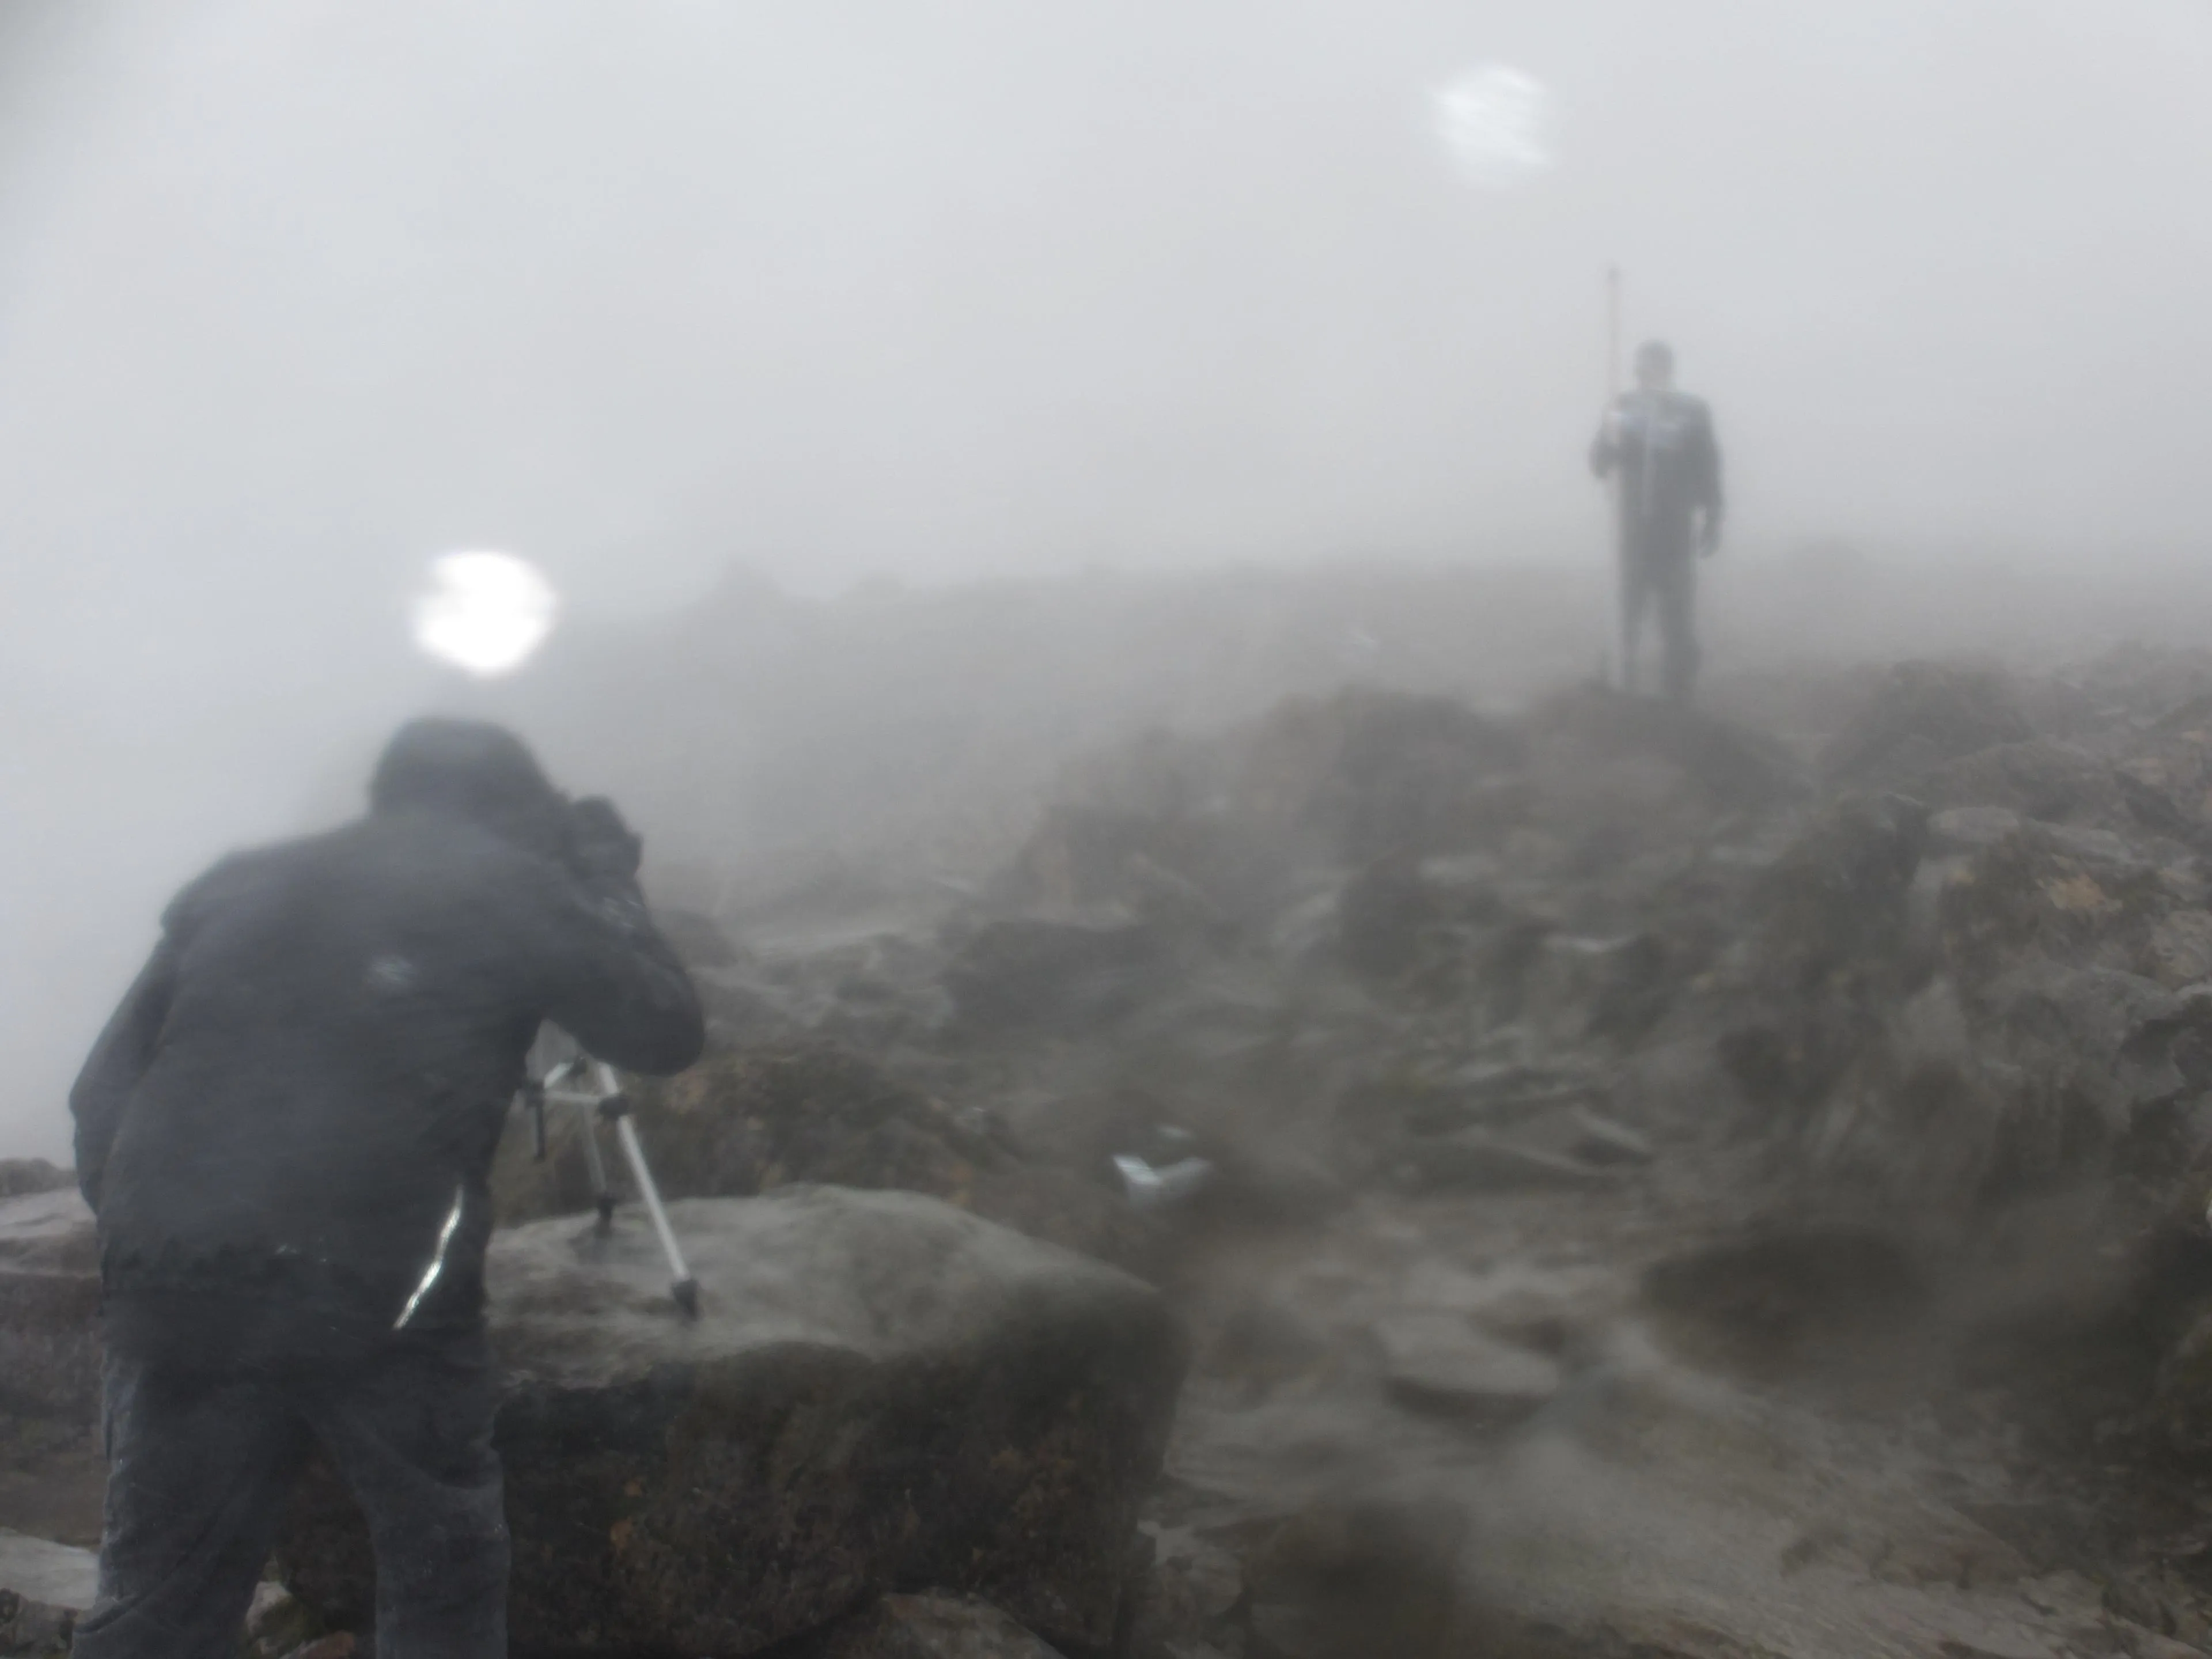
(930, 1627)
(881, 1393)
(44, 1588)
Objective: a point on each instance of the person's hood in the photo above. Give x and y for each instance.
(470, 769)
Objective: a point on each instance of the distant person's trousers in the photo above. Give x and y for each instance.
(201, 1468)
(1660, 575)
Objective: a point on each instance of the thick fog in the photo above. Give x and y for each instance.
(295, 294)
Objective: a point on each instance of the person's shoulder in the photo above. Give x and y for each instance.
(437, 852)
(377, 852)
(238, 874)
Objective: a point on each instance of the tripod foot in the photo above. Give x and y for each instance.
(686, 1292)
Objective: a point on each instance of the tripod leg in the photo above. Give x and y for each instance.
(682, 1286)
(603, 1195)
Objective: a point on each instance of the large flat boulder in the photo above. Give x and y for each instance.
(41, 1571)
(43, 1587)
(883, 1393)
(49, 1306)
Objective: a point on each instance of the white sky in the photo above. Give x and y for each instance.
(296, 292)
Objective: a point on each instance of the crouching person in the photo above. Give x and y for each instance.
(287, 1131)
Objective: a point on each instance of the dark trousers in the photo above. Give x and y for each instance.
(1660, 574)
(200, 1468)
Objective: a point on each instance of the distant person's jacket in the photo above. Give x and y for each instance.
(1661, 445)
(286, 1128)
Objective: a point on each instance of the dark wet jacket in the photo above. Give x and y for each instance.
(316, 1063)
(1663, 445)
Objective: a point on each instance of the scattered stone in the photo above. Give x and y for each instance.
(2151, 807)
(48, 1232)
(1579, 987)
(879, 1390)
(2180, 949)
(2063, 1592)
(1267, 1182)
(1513, 1093)
(932, 1626)
(1440, 1362)
(1573, 1131)
(2182, 1406)
(1395, 921)
(1475, 1160)
(2092, 1054)
(1202, 1581)
(1367, 1576)
(20, 1177)
(1835, 903)
(1548, 1309)
(2137, 1605)
(1920, 716)
(1729, 766)
(33, 1630)
(1173, 902)
(1368, 775)
(1786, 1297)
(1285, 1630)
(1969, 828)
(1601, 1140)
(1160, 857)
(2042, 891)
(1028, 973)
(2038, 779)
(1261, 1343)
(2137, 1642)
(277, 1624)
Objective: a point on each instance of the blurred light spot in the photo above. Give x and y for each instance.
(1496, 122)
(484, 612)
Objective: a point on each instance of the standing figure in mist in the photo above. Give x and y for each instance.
(1659, 442)
(287, 1131)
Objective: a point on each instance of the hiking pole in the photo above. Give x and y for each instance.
(1616, 496)
(1612, 334)
(605, 1100)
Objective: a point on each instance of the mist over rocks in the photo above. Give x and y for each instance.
(1897, 997)
(768, 741)
(1581, 1080)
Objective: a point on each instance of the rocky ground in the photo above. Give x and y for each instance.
(1703, 1185)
